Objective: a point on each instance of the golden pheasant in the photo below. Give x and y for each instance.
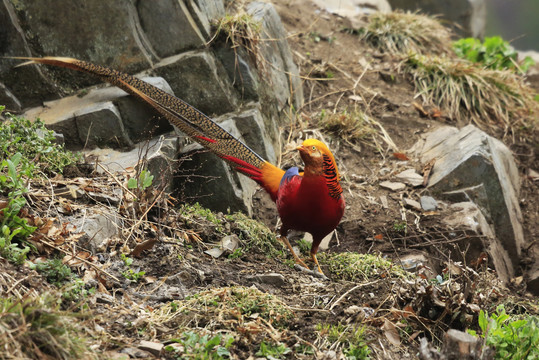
(311, 201)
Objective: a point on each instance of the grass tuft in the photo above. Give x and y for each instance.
(469, 92)
(403, 32)
(35, 329)
(361, 267)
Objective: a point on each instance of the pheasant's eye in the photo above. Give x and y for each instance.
(314, 148)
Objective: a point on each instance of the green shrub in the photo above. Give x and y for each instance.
(494, 53)
(512, 339)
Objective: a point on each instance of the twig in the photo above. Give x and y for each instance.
(349, 291)
(116, 179)
(81, 259)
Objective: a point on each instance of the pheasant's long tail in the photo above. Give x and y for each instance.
(187, 118)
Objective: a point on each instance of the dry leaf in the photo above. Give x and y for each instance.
(391, 333)
(146, 245)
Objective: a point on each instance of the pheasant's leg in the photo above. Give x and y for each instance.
(313, 256)
(296, 258)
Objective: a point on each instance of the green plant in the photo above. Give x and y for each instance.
(34, 328)
(12, 226)
(72, 287)
(494, 53)
(54, 271)
(36, 144)
(400, 226)
(238, 253)
(256, 235)
(351, 340)
(273, 351)
(353, 266)
(512, 339)
(131, 274)
(142, 182)
(195, 346)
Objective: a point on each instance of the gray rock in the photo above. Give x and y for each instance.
(281, 71)
(472, 165)
(533, 279)
(27, 83)
(159, 154)
(428, 203)
(468, 216)
(169, 26)
(274, 279)
(469, 15)
(395, 186)
(154, 348)
(410, 177)
(8, 99)
(212, 182)
(101, 124)
(259, 134)
(241, 72)
(204, 12)
(411, 204)
(98, 228)
(138, 120)
(199, 80)
(84, 32)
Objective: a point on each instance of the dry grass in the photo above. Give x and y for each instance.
(234, 309)
(467, 92)
(355, 125)
(403, 32)
(34, 328)
(242, 32)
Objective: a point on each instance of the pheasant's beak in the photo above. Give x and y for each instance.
(301, 149)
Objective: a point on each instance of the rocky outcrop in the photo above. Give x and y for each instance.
(472, 167)
(164, 41)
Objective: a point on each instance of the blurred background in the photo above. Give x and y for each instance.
(516, 21)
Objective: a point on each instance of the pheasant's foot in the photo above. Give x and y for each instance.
(296, 258)
(315, 260)
(311, 272)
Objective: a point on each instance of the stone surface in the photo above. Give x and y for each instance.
(281, 71)
(212, 182)
(204, 12)
(459, 345)
(259, 134)
(241, 72)
(9, 100)
(468, 216)
(154, 348)
(158, 153)
(169, 26)
(470, 165)
(469, 15)
(395, 186)
(428, 203)
(28, 83)
(84, 31)
(109, 114)
(101, 124)
(410, 177)
(411, 204)
(199, 80)
(273, 279)
(97, 227)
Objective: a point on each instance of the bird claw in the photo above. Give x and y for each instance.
(311, 272)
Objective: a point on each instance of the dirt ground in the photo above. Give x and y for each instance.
(340, 73)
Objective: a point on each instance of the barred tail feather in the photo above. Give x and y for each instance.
(187, 118)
